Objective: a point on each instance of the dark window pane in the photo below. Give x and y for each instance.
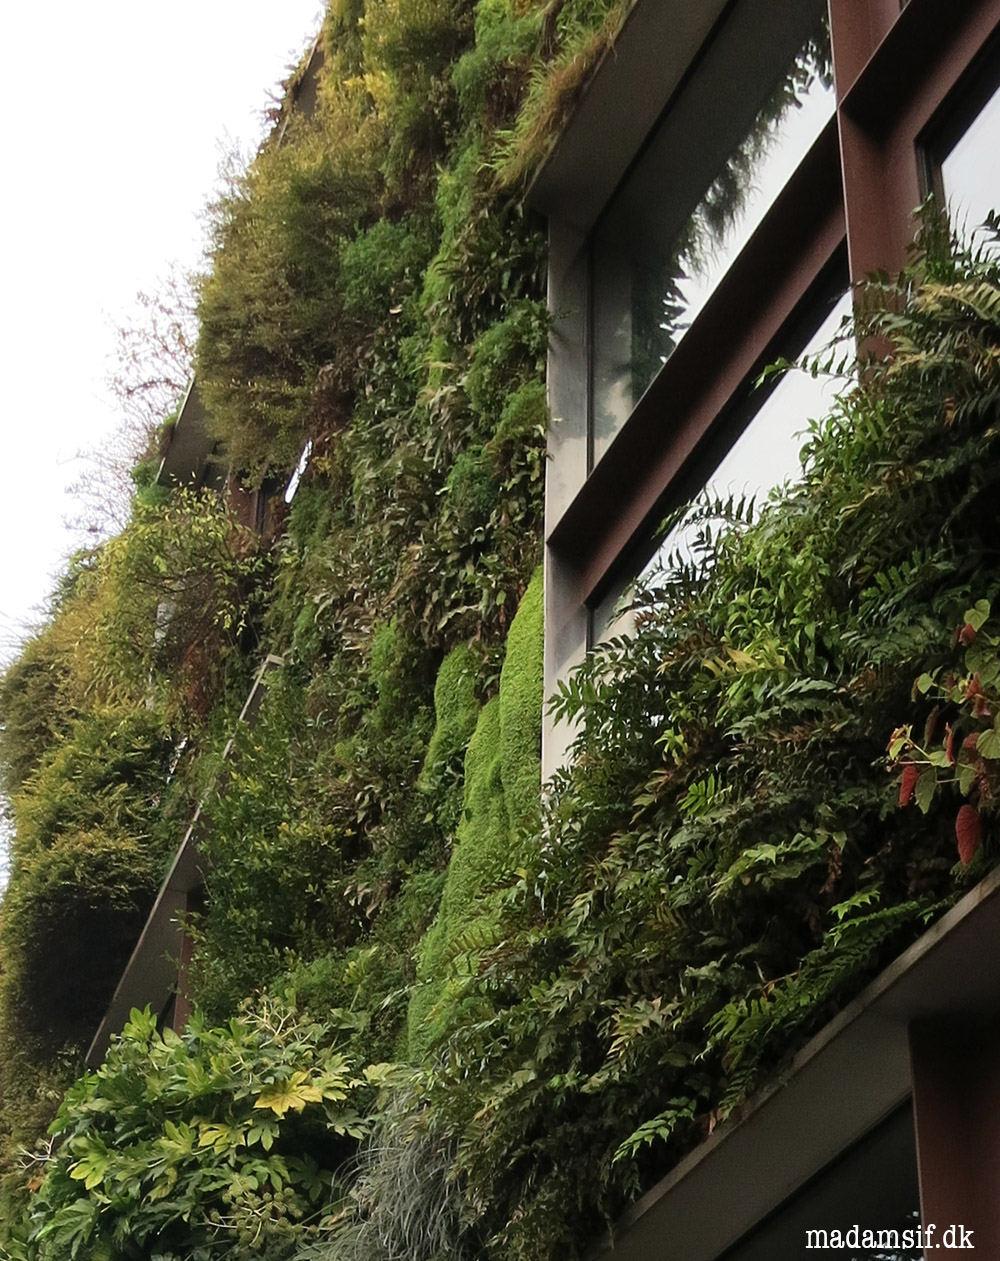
(873, 1187)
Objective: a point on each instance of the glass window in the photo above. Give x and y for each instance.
(765, 455)
(716, 163)
(970, 173)
(873, 1188)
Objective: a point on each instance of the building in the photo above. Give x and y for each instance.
(672, 284)
(191, 458)
(731, 170)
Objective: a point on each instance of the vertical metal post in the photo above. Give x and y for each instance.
(956, 1098)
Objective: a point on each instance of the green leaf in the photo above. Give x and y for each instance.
(966, 777)
(924, 791)
(978, 615)
(290, 1096)
(988, 744)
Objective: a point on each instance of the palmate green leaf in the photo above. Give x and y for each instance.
(178, 1140)
(221, 1136)
(308, 1176)
(264, 1130)
(347, 1121)
(291, 1095)
(978, 616)
(966, 776)
(388, 1074)
(91, 1169)
(70, 1227)
(161, 1172)
(162, 1183)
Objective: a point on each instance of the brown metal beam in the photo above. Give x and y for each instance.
(734, 337)
(956, 1094)
(905, 81)
(849, 1077)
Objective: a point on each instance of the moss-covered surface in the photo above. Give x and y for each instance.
(521, 709)
(456, 711)
(502, 783)
(479, 857)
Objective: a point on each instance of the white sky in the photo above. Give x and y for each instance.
(116, 111)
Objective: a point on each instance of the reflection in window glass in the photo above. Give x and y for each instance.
(766, 455)
(970, 173)
(713, 168)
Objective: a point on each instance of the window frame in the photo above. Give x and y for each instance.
(617, 505)
(930, 1025)
(694, 92)
(968, 97)
(735, 418)
(894, 70)
(901, 77)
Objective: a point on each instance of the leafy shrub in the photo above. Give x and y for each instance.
(33, 706)
(267, 310)
(87, 857)
(174, 596)
(506, 356)
(220, 1142)
(492, 75)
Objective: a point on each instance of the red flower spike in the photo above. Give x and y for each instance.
(968, 833)
(967, 635)
(908, 783)
(950, 745)
(970, 742)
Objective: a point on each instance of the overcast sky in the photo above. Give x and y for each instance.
(117, 112)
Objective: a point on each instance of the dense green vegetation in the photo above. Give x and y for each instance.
(781, 778)
(221, 1139)
(439, 1017)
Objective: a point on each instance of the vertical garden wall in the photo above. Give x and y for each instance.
(437, 1015)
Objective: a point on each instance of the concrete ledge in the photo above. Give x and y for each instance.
(852, 1075)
